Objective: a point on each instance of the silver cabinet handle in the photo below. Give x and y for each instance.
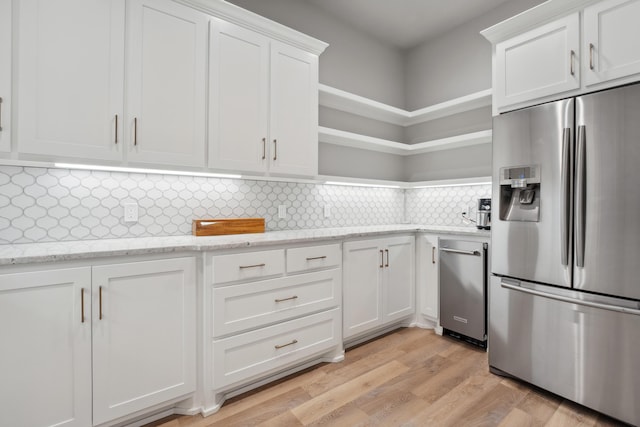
(566, 184)
(461, 252)
(386, 251)
(433, 254)
(81, 305)
(581, 195)
(592, 304)
(286, 299)
(591, 47)
(573, 55)
(381, 258)
(251, 266)
(316, 257)
(264, 148)
(115, 139)
(135, 131)
(275, 149)
(278, 347)
(0, 114)
(100, 302)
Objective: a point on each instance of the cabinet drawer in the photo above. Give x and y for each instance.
(249, 265)
(252, 305)
(313, 258)
(255, 353)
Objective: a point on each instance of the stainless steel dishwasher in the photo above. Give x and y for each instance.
(463, 284)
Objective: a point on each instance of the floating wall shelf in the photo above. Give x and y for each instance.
(354, 140)
(365, 107)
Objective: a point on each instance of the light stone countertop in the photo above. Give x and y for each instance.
(25, 253)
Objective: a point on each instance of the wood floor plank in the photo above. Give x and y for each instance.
(540, 407)
(492, 408)
(345, 393)
(572, 415)
(446, 410)
(346, 415)
(517, 417)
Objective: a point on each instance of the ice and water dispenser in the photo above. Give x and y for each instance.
(520, 193)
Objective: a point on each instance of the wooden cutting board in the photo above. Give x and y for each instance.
(218, 227)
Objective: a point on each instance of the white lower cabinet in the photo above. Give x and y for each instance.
(428, 280)
(379, 285)
(90, 345)
(45, 361)
(143, 335)
(261, 327)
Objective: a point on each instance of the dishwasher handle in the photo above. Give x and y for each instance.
(461, 252)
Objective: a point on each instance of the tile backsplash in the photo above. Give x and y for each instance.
(444, 205)
(43, 205)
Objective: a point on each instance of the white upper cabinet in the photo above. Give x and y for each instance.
(166, 86)
(5, 75)
(239, 98)
(294, 110)
(540, 62)
(611, 42)
(70, 78)
(263, 104)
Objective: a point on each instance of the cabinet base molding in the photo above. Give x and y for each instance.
(219, 397)
(155, 413)
(370, 335)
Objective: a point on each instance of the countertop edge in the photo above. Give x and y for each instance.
(26, 253)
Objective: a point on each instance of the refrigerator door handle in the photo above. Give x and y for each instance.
(581, 195)
(570, 300)
(565, 215)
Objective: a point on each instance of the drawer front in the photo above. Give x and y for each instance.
(249, 265)
(313, 258)
(252, 305)
(259, 352)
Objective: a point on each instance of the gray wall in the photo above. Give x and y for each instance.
(335, 160)
(352, 62)
(458, 62)
(465, 162)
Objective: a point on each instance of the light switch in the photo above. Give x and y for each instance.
(282, 212)
(327, 211)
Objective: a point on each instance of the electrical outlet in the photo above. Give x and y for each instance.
(130, 212)
(282, 212)
(327, 211)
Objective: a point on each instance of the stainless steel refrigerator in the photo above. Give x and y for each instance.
(564, 297)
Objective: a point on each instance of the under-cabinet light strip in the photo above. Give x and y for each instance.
(141, 170)
(359, 184)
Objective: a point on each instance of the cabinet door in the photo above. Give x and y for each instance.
(71, 68)
(5, 75)
(538, 63)
(143, 335)
(399, 284)
(611, 40)
(428, 281)
(294, 111)
(361, 286)
(166, 83)
(45, 362)
(239, 86)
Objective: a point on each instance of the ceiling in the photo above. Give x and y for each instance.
(405, 23)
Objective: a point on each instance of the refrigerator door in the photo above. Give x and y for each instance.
(583, 350)
(607, 192)
(534, 247)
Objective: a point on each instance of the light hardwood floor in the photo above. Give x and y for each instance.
(410, 377)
